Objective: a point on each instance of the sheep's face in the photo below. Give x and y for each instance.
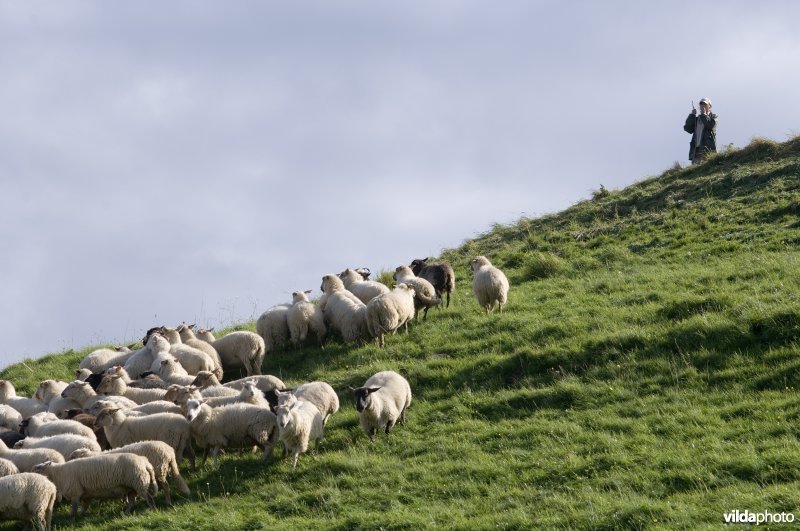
(299, 296)
(73, 389)
(417, 264)
(41, 468)
(158, 343)
(362, 395)
(478, 262)
(331, 283)
(348, 276)
(202, 379)
(286, 399)
(284, 416)
(192, 409)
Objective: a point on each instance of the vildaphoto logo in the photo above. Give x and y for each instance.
(746, 517)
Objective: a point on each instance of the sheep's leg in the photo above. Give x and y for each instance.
(131, 499)
(372, 433)
(74, 511)
(214, 452)
(389, 426)
(403, 417)
(295, 455)
(165, 487)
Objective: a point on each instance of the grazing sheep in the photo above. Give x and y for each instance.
(233, 426)
(489, 284)
(25, 460)
(441, 276)
(161, 456)
(103, 358)
(38, 426)
(9, 417)
(424, 293)
(266, 382)
(25, 406)
(7, 468)
(365, 290)
(83, 394)
(382, 401)
(28, 497)
(273, 327)
(320, 394)
(64, 444)
(113, 385)
(242, 349)
(390, 311)
(122, 429)
(102, 476)
(49, 392)
(304, 316)
(342, 310)
(249, 394)
(297, 425)
(140, 360)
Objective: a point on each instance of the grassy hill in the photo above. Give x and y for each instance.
(644, 374)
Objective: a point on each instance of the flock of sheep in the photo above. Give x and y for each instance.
(121, 429)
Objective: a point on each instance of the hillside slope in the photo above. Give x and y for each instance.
(644, 374)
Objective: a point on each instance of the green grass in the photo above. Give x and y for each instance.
(644, 374)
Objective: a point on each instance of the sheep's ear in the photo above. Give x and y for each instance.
(308, 291)
(371, 390)
(352, 389)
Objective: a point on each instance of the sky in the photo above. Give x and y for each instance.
(195, 161)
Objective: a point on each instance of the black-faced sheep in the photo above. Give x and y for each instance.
(441, 276)
(382, 401)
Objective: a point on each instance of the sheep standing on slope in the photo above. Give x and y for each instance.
(298, 424)
(38, 426)
(266, 382)
(28, 497)
(441, 276)
(390, 311)
(320, 394)
(102, 476)
(241, 349)
(233, 426)
(25, 460)
(193, 359)
(103, 358)
(489, 284)
(141, 359)
(161, 456)
(26, 406)
(424, 293)
(382, 401)
(206, 334)
(186, 333)
(304, 316)
(49, 392)
(365, 290)
(64, 444)
(342, 310)
(170, 428)
(83, 394)
(114, 385)
(273, 327)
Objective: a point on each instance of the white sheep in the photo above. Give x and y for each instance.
(49, 392)
(64, 444)
(424, 292)
(273, 327)
(188, 337)
(10, 417)
(103, 358)
(318, 393)
(194, 358)
(382, 401)
(206, 334)
(390, 311)
(39, 426)
(489, 284)
(7, 467)
(28, 497)
(114, 385)
(233, 426)
(365, 290)
(304, 316)
(102, 476)
(25, 406)
(140, 360)
(170, 370)
(297, 425)
(25, 460)
(266, 382)
(83, 394)
(249, 394)
(122, 429)
(161, 456)
(343, 311)
(241, 349)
